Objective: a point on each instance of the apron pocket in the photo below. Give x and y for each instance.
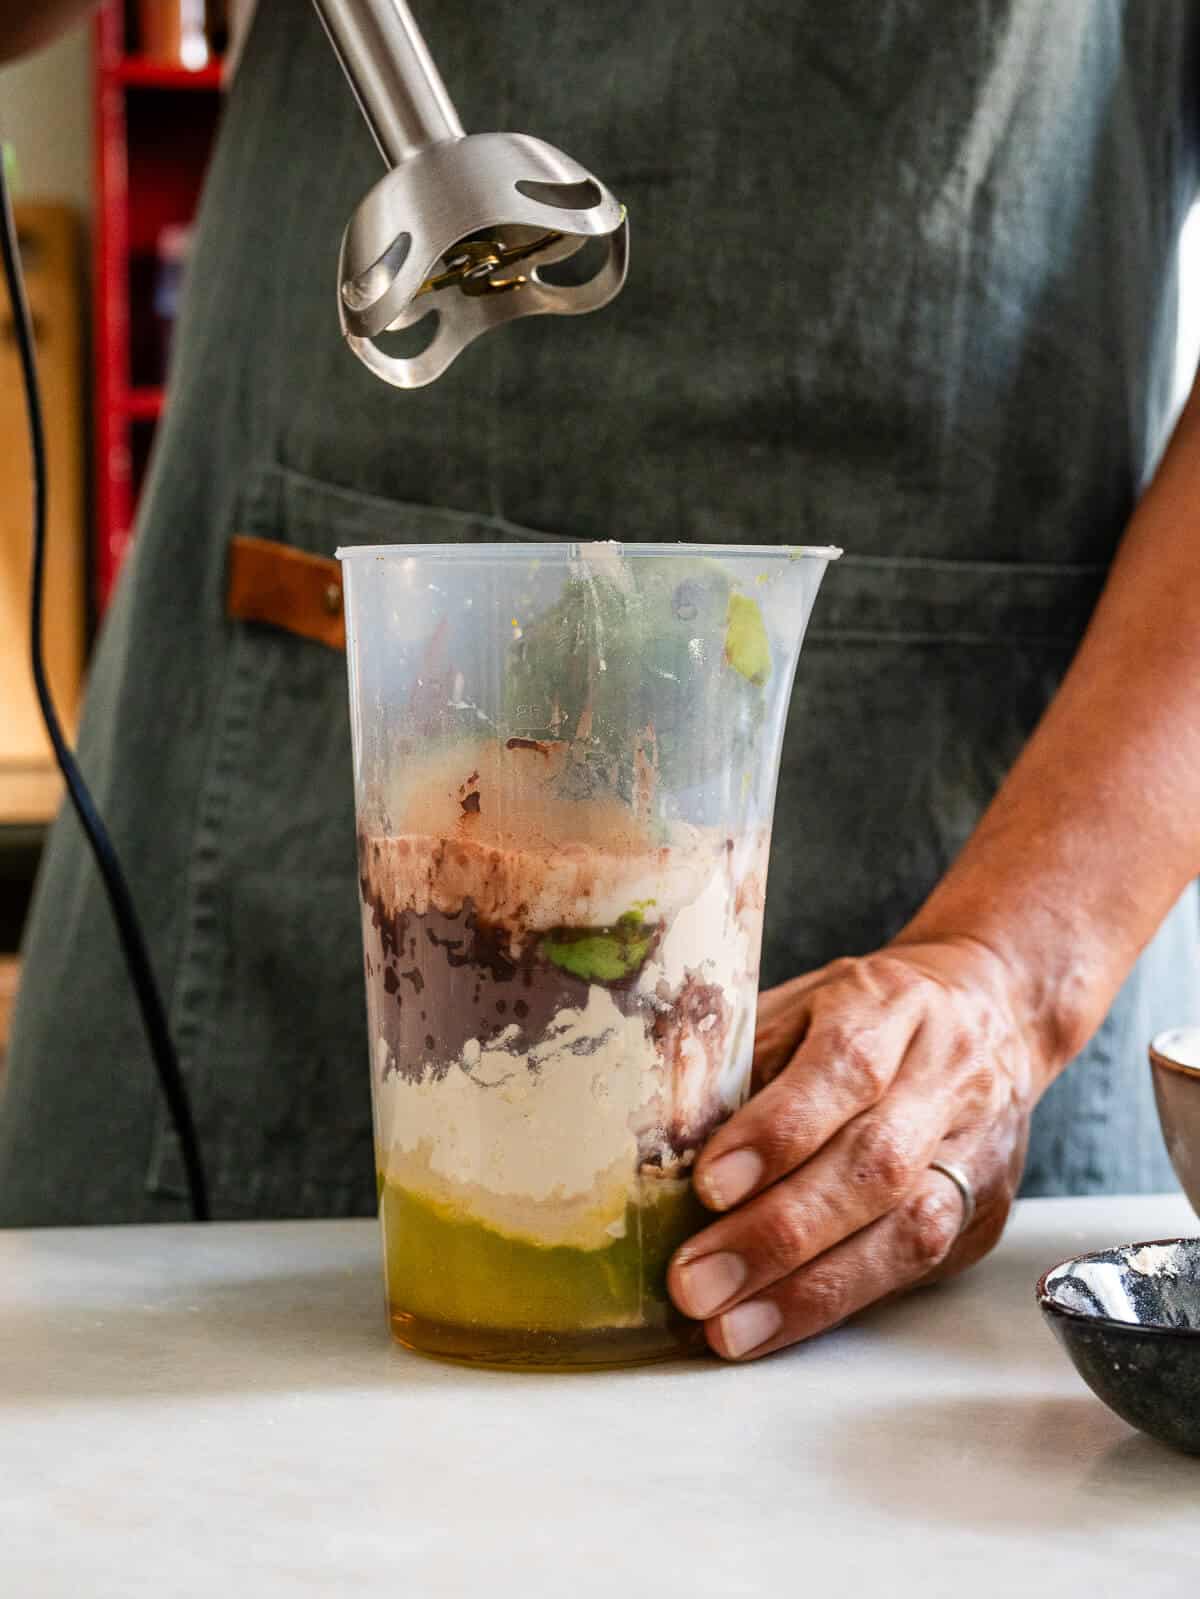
(918, 684)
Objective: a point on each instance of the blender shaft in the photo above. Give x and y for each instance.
(398, 88)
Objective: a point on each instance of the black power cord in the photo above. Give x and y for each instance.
(129, 930)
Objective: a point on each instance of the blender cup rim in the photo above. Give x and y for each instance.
(518, 551)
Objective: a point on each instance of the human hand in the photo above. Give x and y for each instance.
(864, 1072)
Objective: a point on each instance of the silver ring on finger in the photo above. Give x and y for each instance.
(966, 1193)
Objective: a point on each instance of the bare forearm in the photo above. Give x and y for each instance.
(27, 24)
(1097, 829)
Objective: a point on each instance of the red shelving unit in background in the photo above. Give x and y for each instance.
(138, 72)
(155, 126)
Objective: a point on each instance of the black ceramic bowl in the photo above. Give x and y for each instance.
(1130, 1320)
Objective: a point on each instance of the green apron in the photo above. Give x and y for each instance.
(903, 280)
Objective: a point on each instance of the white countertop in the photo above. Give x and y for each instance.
(200, 1411)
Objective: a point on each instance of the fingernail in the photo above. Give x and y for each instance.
(710, 1281)
(729, 1179)
(746, 1326)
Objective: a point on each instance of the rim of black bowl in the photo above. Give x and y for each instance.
(1091, 1318)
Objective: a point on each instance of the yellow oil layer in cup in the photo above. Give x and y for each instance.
(466, 1291)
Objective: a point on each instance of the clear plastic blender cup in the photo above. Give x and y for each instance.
(565, 764)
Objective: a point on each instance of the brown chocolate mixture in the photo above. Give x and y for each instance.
(449, 979)
(700, 1015)
(540, 746)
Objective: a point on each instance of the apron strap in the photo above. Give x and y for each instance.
(286, 588)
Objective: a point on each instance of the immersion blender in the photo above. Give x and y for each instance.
(452, 240)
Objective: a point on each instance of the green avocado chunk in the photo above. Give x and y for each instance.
(602, 955)
(747, 648)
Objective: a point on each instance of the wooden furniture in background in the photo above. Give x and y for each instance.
(155, 125)
(49, 243)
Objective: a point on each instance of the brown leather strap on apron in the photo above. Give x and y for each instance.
(283, 587)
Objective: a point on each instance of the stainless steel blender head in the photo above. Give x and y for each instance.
(453, 239)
